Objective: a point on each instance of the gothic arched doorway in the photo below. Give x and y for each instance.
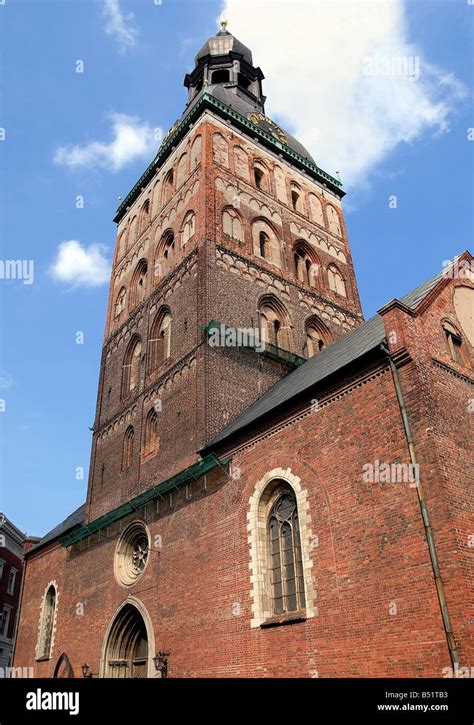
(127, 651)
(63, 668)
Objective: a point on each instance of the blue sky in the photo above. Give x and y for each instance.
(92, 134)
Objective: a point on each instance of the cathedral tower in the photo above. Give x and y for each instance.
(232, 226)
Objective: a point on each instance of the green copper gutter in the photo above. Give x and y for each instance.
(192, 472)
(207, 100)
(291, 359)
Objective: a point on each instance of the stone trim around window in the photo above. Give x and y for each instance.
(256, 527)
(38, 656)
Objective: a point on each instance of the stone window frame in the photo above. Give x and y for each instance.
(257, 540)
(12, 580)
(39, 656)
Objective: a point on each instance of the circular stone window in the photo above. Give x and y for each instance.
(131, 554)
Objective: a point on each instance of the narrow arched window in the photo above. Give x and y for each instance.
(317, 336)
(131, 366)
(167, 188)
(188, 227)
(264, 245)
(333, 220)
(455, 344)
(336, 281)
(144, 216)
(274, 322)
(120, 302)
(159, 347)
(165, 257)
(138, 284)
(47, 624)
(232, 225)
(296, 198)
(127, 448)
(260, 176)
(306, 263)
(196, 151)
(151, 439)
(182, 172)
(284, 555)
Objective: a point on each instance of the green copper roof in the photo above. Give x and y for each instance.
(194, 471)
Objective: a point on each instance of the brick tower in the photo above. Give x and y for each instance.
(233, 224)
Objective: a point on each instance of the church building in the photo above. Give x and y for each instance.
(278, 488)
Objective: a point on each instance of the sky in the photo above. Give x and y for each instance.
(380, 92)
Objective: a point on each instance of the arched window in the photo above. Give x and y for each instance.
(333, 220)
(188, 227)
(274, 322)
(220, 76)
(133, 232)
(120, 302)
(122, 242)
(165, 255)
(232, 225)
(296, 197)
(131, 366)
(182, 171)
(316, 209)
(284, 554)
(265, 242)
(196, 151)
(138, 284)
(336, 281)
(127, 448)
(241, 163)
(144, 216)
(306, 263)
(220, 150)
(264, 245)
(455, 345)
(317, 336)
(260, 176)
(45, 640)
(280, 185)
(151, 440)
(159, 346)
(167, 188)
(156, 198)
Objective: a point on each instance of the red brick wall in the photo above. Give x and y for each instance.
(371, 554)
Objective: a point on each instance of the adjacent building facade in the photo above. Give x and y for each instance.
(277, 488)
(13, 544)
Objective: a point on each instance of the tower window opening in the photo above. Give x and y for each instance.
(258, 174)
(264, 243)
(294, 199)
(243, 81)
(221, 76)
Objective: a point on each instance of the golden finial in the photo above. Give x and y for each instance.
(224, 24)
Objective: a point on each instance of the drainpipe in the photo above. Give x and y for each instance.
(425, 517)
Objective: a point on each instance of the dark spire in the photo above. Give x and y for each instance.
(224, 60)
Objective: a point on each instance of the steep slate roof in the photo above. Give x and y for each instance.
(222, 44)
(244, 106)
(73, 520)
(345, 350)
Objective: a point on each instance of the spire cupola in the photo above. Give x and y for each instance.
(223, 60)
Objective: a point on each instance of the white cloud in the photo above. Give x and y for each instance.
(118, 25)
(79, 265)
(131, 139)
(317, 57)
